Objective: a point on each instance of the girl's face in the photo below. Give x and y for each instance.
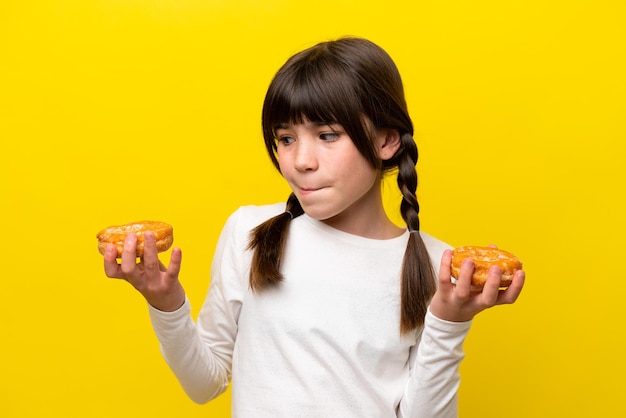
(330, 177)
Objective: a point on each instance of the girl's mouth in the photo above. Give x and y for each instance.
(309, 190)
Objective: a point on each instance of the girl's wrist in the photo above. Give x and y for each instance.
(444, 312)
(170, 304)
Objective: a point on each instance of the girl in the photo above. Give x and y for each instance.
(323, 307)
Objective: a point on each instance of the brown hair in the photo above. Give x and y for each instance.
(343, 81)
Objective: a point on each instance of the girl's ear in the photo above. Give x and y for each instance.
(388, 143)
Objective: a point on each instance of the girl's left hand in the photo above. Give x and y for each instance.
(459, 303)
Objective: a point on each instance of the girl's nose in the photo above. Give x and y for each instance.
(305, 158)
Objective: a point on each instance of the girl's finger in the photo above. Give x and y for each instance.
(150, 255)
(129, 255)
(173, 269)
(445, 282)
(464, 281)
(511, 294)
(491, 291)
(111, 268)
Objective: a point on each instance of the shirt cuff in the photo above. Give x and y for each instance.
(168, 324)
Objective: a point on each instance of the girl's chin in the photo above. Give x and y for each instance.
(317, 213)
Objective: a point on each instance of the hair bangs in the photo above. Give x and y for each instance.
(313, 94)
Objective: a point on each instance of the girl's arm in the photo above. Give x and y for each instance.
(434, 382)
(200, 355)
(202, 373)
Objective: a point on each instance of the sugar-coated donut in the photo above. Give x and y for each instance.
(484, 258)
(116, 234)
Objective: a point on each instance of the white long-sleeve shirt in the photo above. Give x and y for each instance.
(325, 342)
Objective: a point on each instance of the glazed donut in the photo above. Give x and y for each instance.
(116, 234)
(484, 258)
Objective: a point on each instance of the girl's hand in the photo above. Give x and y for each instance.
(158, 284)
(458, 302)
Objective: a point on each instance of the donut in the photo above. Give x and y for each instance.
(484, 258)
(116, 234)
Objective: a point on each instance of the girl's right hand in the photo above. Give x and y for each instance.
(158, 285)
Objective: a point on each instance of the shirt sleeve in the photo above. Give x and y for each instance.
(200, 354)
(434, 381)
(200, 372)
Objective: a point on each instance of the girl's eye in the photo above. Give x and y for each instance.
(329, 136)
(284, 139)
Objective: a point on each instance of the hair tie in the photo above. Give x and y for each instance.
(414, 231)
(290, 214)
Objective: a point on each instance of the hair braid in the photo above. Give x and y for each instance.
(407, 182)
(418, 277)
(268, 242)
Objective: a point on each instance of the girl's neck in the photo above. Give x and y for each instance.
(375, 225)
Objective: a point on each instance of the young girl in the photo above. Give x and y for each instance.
(323, 307)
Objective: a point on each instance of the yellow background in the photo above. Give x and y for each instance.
(120, 110)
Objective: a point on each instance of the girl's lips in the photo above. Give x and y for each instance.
(305, 190)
